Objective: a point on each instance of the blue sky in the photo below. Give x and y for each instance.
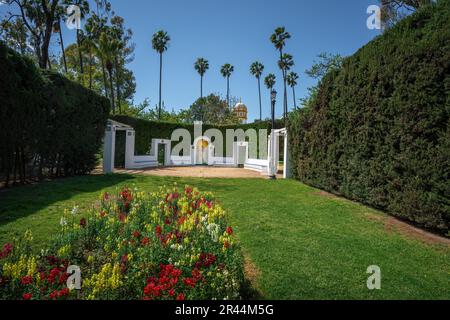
(236, 32)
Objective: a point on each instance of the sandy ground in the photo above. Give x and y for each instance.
(197, 172)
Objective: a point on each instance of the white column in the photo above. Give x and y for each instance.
(109, 149)
(129, 149)
(168, 155)
(287, 162)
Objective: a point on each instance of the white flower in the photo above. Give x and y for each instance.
(213, 230)
(63, 222)
(75, 210)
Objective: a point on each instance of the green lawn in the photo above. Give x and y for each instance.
(302, 243)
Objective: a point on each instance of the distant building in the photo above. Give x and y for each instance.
(241, 112)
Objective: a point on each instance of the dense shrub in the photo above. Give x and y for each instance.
(379, 129)
(172, 244)
(49, 125)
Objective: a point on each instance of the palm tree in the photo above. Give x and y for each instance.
(278, 39)
(57, 29)
(257, 69)
(160, 43)
(226, 71)
(84, 10)
(201, 65)
(285, 64)
(270, 82)
(108, 49)
(292, 82)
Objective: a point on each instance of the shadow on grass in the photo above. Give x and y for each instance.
(21, 202)
(248, 291)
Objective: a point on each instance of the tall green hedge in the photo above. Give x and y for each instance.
(379, 130)
(50, 126)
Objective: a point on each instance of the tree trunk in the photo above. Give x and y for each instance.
(105, 83)
(260, 103)
(116, 67)
(295, 102)
(201, 87)
(160, 84)
(112, 91)
(80, 55)
(228, 92)
(62, 45)
(90, 66)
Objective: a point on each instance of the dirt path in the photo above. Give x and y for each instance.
(197, 172)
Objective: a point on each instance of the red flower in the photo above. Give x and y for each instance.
(226, 245)
(27, 280)
(145, 241)
(27, 296)
(136, 234)
(54, 295)
(122, 217)
(53, 274)
(158, 230)
(64, 293)
(180, 297)
(83, 222)
(167, 221)
(230, 230)
(7, 249)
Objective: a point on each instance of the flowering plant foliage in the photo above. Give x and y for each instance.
(168, 245)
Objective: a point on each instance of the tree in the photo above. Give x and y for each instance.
(211, 110)
(57, 29)
(292, 82)
(38, 16)
(108, 49)
(84, 10)
(160, 43)
(278, 39)
(285, 64)
(394, 10)
(201, 66)
(226, 71)
(325, 64)
(14, 34)
(270, 82)
(256, 69)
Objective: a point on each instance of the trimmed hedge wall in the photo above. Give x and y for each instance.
(50, 126)
(379, 130)
(148, 130)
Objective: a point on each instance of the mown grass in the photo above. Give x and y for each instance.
(302, 243)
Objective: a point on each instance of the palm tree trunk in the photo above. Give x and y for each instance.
(90, 66)
(295, 101)
(80, 56)
(285, 90)
(228, 92)
(260, 104)
(201, 87)
(116, 67)
(105, 83)
(61, 41)
(160, 84)
(112, 91)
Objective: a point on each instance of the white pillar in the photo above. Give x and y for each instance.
(109, 149)
(129, 149)
(168, 154)
(287, 162)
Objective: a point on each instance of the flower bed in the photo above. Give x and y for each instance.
(167, 245)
